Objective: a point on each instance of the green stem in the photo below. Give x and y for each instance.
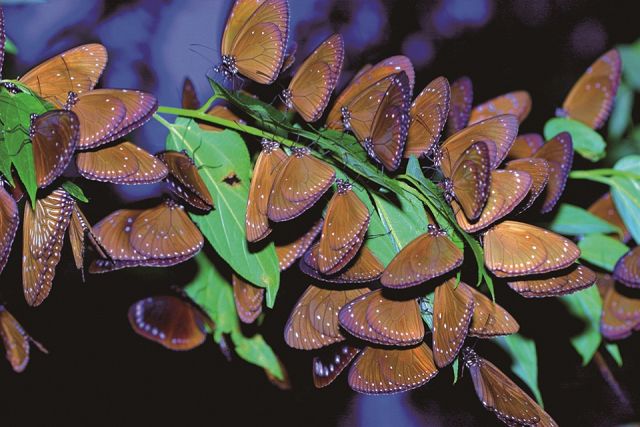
(604, 172)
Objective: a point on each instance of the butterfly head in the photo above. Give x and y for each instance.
(368, 146)
(346, 117)
(287, 96)
(300, 151)
(11, 87)
(447, 186)
(228, 66)
(343, 186)
(470, 357)
(268, 146)
(32, 121)
(561, 112)
(72, 99)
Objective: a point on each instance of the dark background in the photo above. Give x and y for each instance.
(99, 372)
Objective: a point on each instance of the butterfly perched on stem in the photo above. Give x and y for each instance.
(255, 39)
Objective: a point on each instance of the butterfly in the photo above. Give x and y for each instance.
(170, 321)
(298, 185)
(268, 163)
(525, 145)
(122, 163)
(15, 339)
(185, 180)
(54, 136)
(620, 313)
(44, 227)
(502, 396)
(75, 70)
(453, 307)
(248, 299)
(255, 39)
(108, 114)
(386, 371)
(429, 255)
(591, 98)
(627, 269)
(605, 208)
(79, 232)
(9, 220)
(461, 105)
(428, 115)
(538, 171)
(507, 190)
(311, 86)
(468, 180)
(330, 362)
(189, 98)
(517, 103)
(367, 77)
(517, 249)
(558, 153)
(290, 251)
(375, 318)
(563, 282)
(313, 323)
(490, 319)
(364, 267)
(378, 117)
(345, 225)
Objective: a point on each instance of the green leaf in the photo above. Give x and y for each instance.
(630, 55)
(455, 366)
(602, 251)
(75, 191)
(626, 194)
(10, 47)
(575, 221)
(5, 160)
(621, 113)
(222, 155)
(404, 219)
(614, 351)
(211, 291)
(524, 360)
(586, 141)
(587, 306)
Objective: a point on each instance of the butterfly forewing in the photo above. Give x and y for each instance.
(428, 115)
(14, 338)
(461, 104)
(100, 116)
(627, 269)
(140, 107)
(517, 249)
(313, 323)
(525, 146)
(248, 299)
(165, 231)
(452, 310)
(426, 257)
(471, 178)
(558, 153)
(490, 319)
(54, 136)
(517, 103)
(288, 253)
(79, 231)
(573, 279)
(185, 179)
(591, 98)
(538, 170)
(507, 190)
(76, 70)
(169, 321)
(605, 209)
(620, 314)
(331, 362)
(269, 161)
(9, 220)
(122, 163)
(386, 371)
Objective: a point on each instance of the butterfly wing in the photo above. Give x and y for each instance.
(331, 362)
(572, 279)
(627, 269)
(517, 249)
(122, 163)
(538, 170)
(620, 314)
(490, 319)
(525, 146)
(9, 220)
(189, 96)
(507, 190)
(452, 311)
(364, 267)
(185, 179)
(471, 179)
(461, 104)
(140, 106)
(169, 321)
(14, 338)
(100, 116)
(288, 253)
(248, 299)
(75, 70)
(591, 98)
(428, 115)
(426, 257)
(558, 153)
(517, 103)
(54, 136)
(604, 208)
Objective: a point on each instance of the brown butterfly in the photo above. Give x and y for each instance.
(9, 220)
(538, 170)
(605, 208)
(248, 299)
(375, 318)
(185, 179)
(627, 269)
(517, 249)
(558, 153)
(15, 339)
(428, 115)
(79, 232)
(620, 313)
(490, 319)
(502, 396)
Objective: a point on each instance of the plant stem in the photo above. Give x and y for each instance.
(604, 172)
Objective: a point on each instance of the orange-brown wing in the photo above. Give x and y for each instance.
(591, 98)
(620, 314)
(15, 340)
(364, 267)
(311, 89)
(563, 282)
(525, 146)
(627, 269)
(470, 182)
(289, 252)
(517, 249)
(558, 153)
(517, 103)
(100, 116)
(189, 96)
(605, 209)
(122, 163)
(428, 116)
(461, 104)
(248, 299)
(452, 311)
(538, 170)
(331, 362)
(75, 70)
(185, 179)
(490, 319)
(9, 220)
